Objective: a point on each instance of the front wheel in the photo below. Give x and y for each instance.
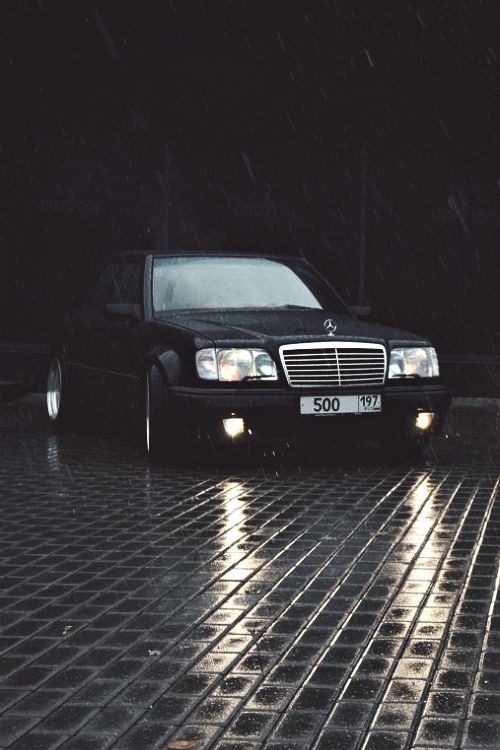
(159, 429)
(58, 392)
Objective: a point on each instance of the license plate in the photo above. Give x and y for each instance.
(325, 406)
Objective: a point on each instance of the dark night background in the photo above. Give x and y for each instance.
(257, 125)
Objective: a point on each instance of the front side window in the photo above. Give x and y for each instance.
(97, 296)
(126, 285)
(118, 283)
(210, 283)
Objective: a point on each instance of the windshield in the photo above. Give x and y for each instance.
(209, 283)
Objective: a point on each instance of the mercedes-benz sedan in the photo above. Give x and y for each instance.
(237, 349)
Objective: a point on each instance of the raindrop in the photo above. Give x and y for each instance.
(369, 58)
(246, 161)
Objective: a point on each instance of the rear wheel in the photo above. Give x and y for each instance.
(58, 392)
(159, 428)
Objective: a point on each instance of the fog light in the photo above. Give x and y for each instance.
(424, 420)
(233, 426)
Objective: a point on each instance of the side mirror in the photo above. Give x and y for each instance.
(122, 312)
(361, 311)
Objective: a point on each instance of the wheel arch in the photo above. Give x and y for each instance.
(169, 363)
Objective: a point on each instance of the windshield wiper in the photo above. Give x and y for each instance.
(293, 307)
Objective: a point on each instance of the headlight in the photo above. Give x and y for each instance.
(410, 362)
(229, 365)
(234, 364)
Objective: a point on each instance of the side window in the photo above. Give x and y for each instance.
(125, 287)
(118, 283)
(97, 296)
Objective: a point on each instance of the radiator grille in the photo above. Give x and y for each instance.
(334, 364)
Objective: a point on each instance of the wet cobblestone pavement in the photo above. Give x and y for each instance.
(338, 604)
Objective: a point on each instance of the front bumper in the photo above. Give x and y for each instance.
(275, 413)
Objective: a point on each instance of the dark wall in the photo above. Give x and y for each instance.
(233, 124)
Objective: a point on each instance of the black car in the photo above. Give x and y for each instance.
(232, 349)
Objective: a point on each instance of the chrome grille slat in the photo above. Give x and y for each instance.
(339, 363)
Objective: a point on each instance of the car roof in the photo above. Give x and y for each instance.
(135, 255)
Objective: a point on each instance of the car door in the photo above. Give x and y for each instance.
(83, 330)
(118, 339)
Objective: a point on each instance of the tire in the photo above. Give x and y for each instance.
(58, 393)
(161, 443)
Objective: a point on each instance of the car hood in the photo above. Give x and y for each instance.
(238, 326)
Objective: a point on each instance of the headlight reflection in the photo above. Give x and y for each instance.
(421, 532)
(233, 494)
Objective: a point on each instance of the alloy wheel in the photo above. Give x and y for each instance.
(54, 384)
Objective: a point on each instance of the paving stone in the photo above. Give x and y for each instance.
(352, 714)
(461, 660)
(446, 703)
(386, 740)
(486, 704)
(67, 718)
(215, 710)
(338, 739)
(438, 732)
(396, 716)
(415, 669)
(252, 724)
(38, 740)
(13, 726)
(39, 703)
(239, 685)
(320, 606)
(289, 674)
(87, 742)
(146, 734)
(9, 698)
(299, 725)
(364, 688)
(482, 733)
(97, 692)
(453, 679)
(311, 698)
(270, 697)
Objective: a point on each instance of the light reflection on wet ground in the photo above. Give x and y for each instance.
(312, 601)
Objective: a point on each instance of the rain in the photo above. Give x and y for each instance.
(249, 375)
